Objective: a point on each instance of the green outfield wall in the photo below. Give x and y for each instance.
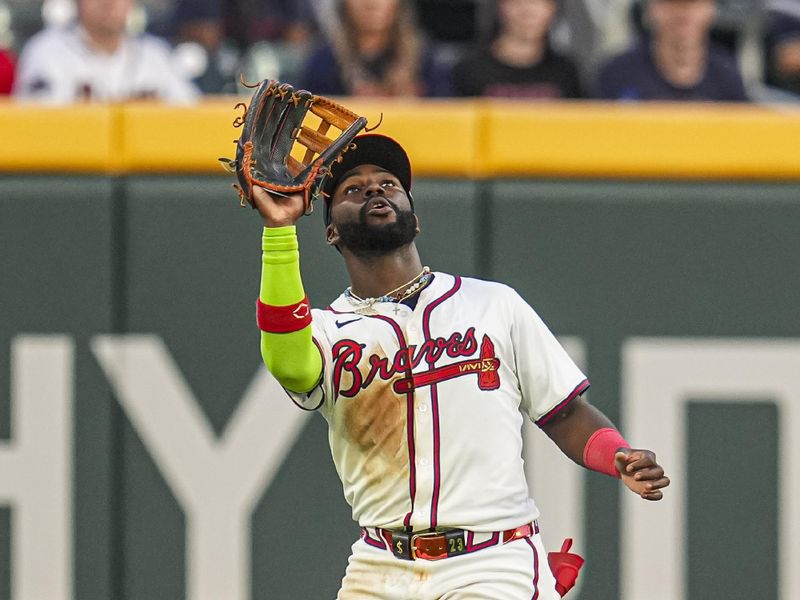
(144, 455)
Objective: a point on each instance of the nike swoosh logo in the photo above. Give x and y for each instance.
(340, 324)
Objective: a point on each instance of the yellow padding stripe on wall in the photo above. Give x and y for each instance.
(51, 139)
(662, 141)
(444, 138)
(159, 139)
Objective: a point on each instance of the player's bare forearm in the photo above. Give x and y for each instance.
(637, 468)
(573, 426)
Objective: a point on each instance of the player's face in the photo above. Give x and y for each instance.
(107, 17)
(681, 22)
(371, 213)
(529, 19)
(370, 16)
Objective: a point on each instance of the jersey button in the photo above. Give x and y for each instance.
(423, 408)
(423, 462)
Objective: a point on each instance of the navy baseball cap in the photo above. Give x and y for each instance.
(370, 149)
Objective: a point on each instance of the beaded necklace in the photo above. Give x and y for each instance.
(366, 306)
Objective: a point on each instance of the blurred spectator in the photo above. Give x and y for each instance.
(200, 21)
(6, 72)
(199, 30)
(219, 39)
(453, 21)
(291, 21)
(675, 59)
(377, 50)
(96, 59)
(520, 61)
(783, 48)
(245, 22)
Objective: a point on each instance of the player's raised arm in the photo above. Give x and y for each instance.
(284, 314)
(281, 163)
(587, 437)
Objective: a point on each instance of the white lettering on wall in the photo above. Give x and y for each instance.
(217, 481)
(659, 377)
(36, 467)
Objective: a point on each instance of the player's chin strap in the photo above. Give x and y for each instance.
(565, 566)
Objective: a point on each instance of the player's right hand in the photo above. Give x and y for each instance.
(278, 211)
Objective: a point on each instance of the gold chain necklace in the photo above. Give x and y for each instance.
(366, 306)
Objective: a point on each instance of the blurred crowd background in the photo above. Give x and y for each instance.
(63, 51)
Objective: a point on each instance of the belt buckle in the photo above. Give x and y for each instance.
(430, 534)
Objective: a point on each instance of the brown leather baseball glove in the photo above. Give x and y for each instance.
(289, 139)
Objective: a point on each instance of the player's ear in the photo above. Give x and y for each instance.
(416, 218)
(331, 235)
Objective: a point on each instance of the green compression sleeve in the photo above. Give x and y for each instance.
(292, 358)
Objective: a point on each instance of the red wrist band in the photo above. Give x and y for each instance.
(283, 319)
(598, 454)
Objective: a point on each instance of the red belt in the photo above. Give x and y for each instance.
(436, 545)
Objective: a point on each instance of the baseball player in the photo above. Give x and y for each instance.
(95, 59)
(424, 379)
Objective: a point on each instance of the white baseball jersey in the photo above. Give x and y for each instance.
(58, 66)
(425, 406)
